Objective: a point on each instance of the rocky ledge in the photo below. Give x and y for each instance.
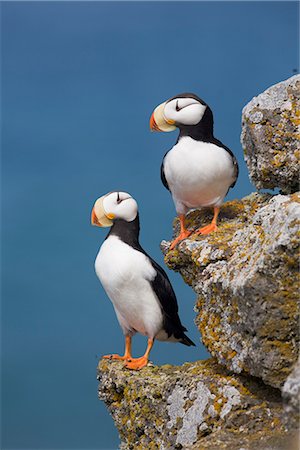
(246, 279)
(198, 405)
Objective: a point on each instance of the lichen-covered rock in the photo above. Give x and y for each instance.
(271, 136)
(199, 405)
(246, 278)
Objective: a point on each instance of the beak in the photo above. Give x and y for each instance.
(94, 220)
(99, 216)
(158, 122)
(153, 124)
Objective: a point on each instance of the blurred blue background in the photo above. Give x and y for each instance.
(79, 82)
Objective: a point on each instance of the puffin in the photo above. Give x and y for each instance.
(139, 289)
(199, 170)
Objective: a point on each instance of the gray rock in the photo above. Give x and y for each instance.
(247, 282)
(199, 405)
(291, 389)
(271, 136)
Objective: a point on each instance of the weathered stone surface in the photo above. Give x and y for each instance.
(291, 389)
(246, 278)
(198, 405)
(271, 136)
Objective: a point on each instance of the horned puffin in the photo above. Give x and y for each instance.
(141, 293)
(199, 170)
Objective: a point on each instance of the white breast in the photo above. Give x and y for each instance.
(198, 174)
(125, 274)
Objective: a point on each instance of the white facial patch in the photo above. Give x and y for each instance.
(121, 206)
(160, 120)
(99, 211)
(185, 111)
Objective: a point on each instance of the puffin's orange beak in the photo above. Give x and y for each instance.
(158, 122)
(153, 124)
(99, 217)
(94, 220)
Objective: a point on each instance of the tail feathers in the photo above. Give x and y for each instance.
(187, 341)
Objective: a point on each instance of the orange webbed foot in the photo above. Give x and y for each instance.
(116, 357)
(184, 233)
(127, 352)
(179, 238)
(207, 229)
(136, 363)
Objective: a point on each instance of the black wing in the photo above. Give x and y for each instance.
(167, 298)
(162, 174)
(234, 160)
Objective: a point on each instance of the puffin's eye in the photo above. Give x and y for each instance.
(177, 107)
(118, 198)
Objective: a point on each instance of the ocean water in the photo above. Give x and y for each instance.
(79, 82)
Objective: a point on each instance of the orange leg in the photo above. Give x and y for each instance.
(127, 354)
(212, 226)
(184, 233)
(139, 363)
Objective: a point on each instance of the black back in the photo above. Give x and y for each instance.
(162, 173)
